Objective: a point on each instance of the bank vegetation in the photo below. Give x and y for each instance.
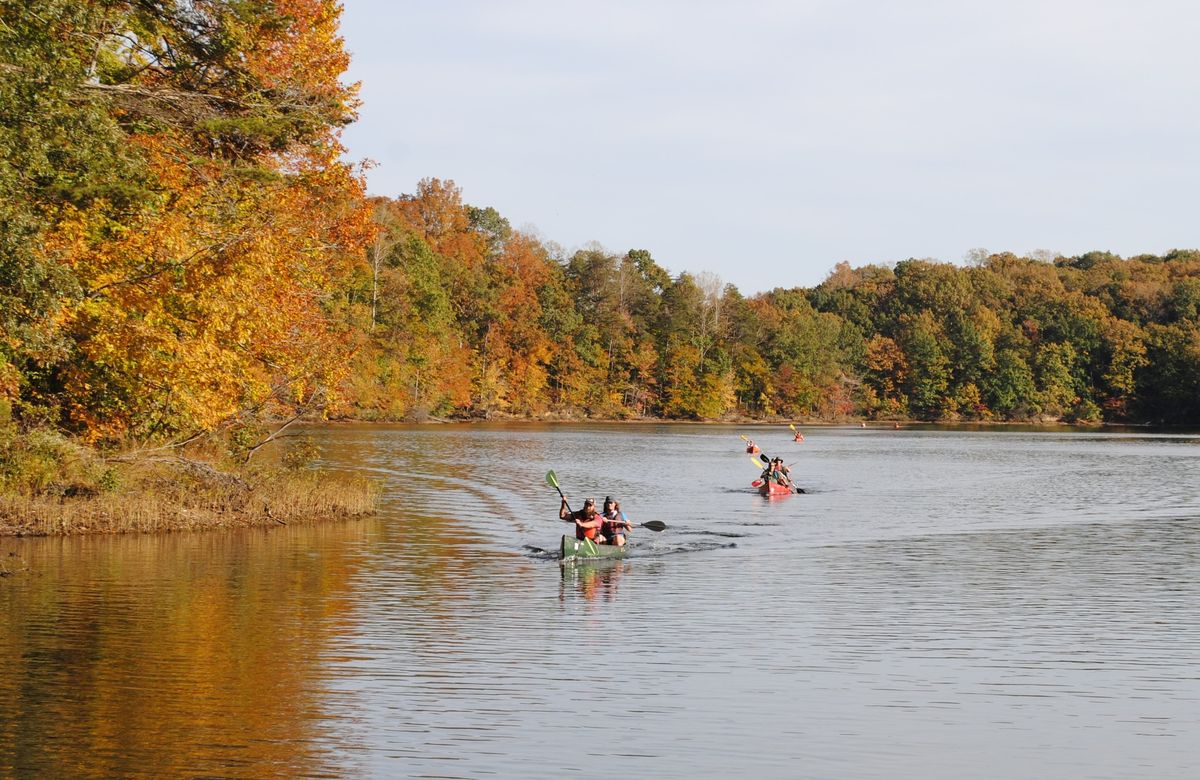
(176, 220)
(54, 485)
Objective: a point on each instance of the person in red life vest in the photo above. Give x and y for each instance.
(614, 527)
(781, 473)
(798, 437)
(587, 520)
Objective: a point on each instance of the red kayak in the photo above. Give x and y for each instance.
(771, 488)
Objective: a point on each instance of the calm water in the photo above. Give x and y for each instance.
(940, 604)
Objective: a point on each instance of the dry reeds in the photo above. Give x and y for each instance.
(165, 498)
(53, 485)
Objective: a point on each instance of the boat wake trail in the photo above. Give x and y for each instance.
(689, 547)
(725, 534)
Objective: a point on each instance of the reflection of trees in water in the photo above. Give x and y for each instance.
(188, 653)
(595, 580)
(442, 524)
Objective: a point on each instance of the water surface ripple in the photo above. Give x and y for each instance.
(942, 604)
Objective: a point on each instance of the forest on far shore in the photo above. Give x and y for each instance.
(456, 314)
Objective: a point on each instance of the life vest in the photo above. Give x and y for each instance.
(613, 525)
(585, 533)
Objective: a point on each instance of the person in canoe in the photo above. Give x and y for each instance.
(780, 473)
(614, 527)
(798, 438)
(587, 520)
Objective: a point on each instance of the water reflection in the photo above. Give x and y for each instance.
(941, 605)
(173, 655)
(592, 580)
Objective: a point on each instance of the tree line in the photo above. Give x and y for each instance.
(183, 251)
(469, 317)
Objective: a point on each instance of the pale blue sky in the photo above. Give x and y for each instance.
(767, 141)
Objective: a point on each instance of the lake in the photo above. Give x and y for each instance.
(939, 604)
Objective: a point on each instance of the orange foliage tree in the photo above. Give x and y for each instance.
(209, 297)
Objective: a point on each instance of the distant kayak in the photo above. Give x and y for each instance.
(573, 548)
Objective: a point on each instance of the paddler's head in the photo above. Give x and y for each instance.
(589, 506)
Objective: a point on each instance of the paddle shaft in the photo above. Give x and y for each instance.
(560, 493)
(653, 525)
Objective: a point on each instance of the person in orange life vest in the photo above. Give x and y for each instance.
(798, 437)
(614, 525)
(587, 520)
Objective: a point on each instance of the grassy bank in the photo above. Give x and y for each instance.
(52, 485)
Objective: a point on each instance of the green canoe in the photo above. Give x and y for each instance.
(586, 548)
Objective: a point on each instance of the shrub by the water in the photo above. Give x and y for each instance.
(50, 484)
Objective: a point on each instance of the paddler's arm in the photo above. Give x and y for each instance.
(563, 512)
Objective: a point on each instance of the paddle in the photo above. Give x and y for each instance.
(653, 525)
(757, 482)
(552, 481)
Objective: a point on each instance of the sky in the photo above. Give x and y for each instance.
(765, 141)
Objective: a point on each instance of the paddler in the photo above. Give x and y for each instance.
(587, 520)
(780, 473)
(614, 527)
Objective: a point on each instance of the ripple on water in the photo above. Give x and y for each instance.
(938, 605)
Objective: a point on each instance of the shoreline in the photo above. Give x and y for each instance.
(856, 423)
(156, 498)
(163, 502)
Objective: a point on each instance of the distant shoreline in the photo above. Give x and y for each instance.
(748, 421)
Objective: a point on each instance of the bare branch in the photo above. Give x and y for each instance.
(273, 436)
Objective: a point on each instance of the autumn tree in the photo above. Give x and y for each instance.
(182, 255)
